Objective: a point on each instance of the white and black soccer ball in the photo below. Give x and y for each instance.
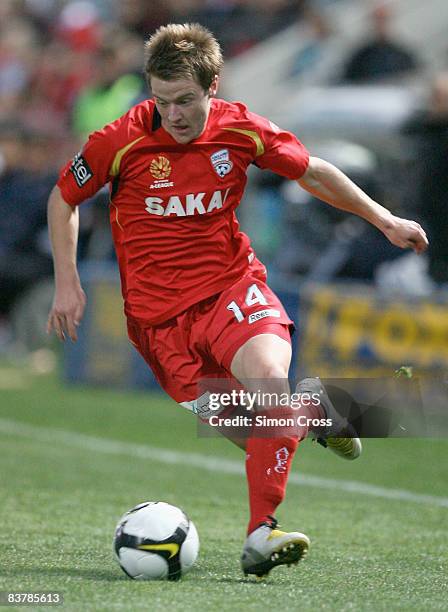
(156, 541)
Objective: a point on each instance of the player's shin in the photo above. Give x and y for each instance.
(268, 461)
(269, 453)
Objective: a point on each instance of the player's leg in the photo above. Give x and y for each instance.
(248, 333)
(263, 355)
(169, 351)
(262, 365)
(262, 362)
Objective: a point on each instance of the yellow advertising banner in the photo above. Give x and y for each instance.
(351, 330)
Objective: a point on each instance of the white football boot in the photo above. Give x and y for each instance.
(267, 547)
(340, 437)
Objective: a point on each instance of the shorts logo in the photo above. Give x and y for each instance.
(221, 162)
(81, 170)
(261, 314)
(160, 167)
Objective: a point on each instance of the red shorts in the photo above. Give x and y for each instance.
(202, 341)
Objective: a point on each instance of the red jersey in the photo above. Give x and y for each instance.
(172, 206)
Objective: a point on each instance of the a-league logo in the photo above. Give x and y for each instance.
(160, 167)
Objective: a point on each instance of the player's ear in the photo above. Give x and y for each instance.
(212, 90)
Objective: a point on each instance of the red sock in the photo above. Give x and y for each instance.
(268, 461)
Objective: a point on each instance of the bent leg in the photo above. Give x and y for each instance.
(264, 357)
(262, 365)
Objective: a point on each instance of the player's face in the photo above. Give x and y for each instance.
(183, 106)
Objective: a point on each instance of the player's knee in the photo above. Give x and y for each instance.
(269, 371)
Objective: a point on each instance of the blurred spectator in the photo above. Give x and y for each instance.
(56, 82)
(135, 17)
(43, 14)
(10, 9)
(18, 45)
(429, 130)
(318, 30)
(382, 56)
(25, 183)
(117, 82)
(238, 24)
(79, 25)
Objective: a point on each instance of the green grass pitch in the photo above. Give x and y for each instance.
(62, 494)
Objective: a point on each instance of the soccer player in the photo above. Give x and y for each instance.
(195, 294)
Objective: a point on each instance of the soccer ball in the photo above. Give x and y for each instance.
(156, 541)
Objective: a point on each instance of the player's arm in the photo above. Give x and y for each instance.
(80, 179)
(326, 182)
(69, 298)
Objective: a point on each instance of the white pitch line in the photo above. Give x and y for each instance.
(204, 462)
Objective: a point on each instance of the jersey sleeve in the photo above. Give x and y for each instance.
(281, 152)
(90, 169)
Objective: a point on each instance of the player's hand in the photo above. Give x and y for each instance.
(406, 234)
(66, 312)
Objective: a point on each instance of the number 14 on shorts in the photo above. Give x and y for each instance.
(253, 296)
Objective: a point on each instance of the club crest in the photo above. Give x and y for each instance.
(221, 162)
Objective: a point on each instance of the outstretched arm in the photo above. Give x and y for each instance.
(326, 182)
(69, 298)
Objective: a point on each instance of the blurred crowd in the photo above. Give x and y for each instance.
(67, 67)
(73, 64)
(321, 244)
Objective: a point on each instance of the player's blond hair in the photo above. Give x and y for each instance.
(179, 51)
